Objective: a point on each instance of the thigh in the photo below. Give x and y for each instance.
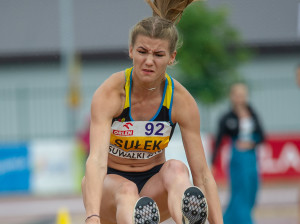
(111, 186)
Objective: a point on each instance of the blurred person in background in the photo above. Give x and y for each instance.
(298, 83)
(133, 116)
(298, 75)
(243, 127)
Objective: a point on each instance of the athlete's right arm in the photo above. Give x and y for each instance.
(106, 104)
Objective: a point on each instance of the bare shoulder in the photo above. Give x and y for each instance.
(108, 98)
(184, 104)
(114, 82)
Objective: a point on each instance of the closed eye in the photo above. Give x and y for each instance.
(160, 53)
(142, 52)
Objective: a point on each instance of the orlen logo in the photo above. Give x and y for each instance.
(127, 125)
(123, 133)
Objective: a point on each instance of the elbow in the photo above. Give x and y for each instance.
(259, 138)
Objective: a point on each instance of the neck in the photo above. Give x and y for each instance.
(239, 106)
(241, 110)
(146, 88)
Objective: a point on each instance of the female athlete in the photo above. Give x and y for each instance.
(133, 116)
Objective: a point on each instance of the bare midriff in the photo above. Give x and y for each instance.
(134, 165)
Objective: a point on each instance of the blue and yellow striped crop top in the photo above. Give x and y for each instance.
(132, 139)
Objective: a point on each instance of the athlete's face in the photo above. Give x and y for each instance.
(239, 94)
(150, 58)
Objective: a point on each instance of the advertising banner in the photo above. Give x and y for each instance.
(53, 166)
(14, 168)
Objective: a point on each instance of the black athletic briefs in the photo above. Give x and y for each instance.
(139, 178)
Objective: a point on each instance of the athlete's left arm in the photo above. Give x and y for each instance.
(186, 114)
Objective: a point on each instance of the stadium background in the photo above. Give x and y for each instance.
(43, 107)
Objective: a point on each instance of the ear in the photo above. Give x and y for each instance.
(173, 56)
(130, 51)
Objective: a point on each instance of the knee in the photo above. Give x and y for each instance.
(174, 171)
(127, 188)
(176, 167)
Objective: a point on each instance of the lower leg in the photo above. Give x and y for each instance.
(125, 202)
(176, 182)
(174, 201)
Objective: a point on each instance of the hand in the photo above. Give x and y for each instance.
(93, 220)
(244, 145)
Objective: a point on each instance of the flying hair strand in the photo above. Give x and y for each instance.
(169, 9)
(154, 8)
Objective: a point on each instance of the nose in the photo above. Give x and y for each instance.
(149, 60)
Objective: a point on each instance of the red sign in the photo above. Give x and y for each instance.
(278, 158)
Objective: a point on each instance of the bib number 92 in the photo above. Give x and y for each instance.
(156, 129)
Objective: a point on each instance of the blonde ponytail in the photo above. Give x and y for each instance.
(162, 24)
(169, 9)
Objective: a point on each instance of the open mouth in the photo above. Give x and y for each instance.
(147, 70)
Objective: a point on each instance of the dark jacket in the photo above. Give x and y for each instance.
(229, 126)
